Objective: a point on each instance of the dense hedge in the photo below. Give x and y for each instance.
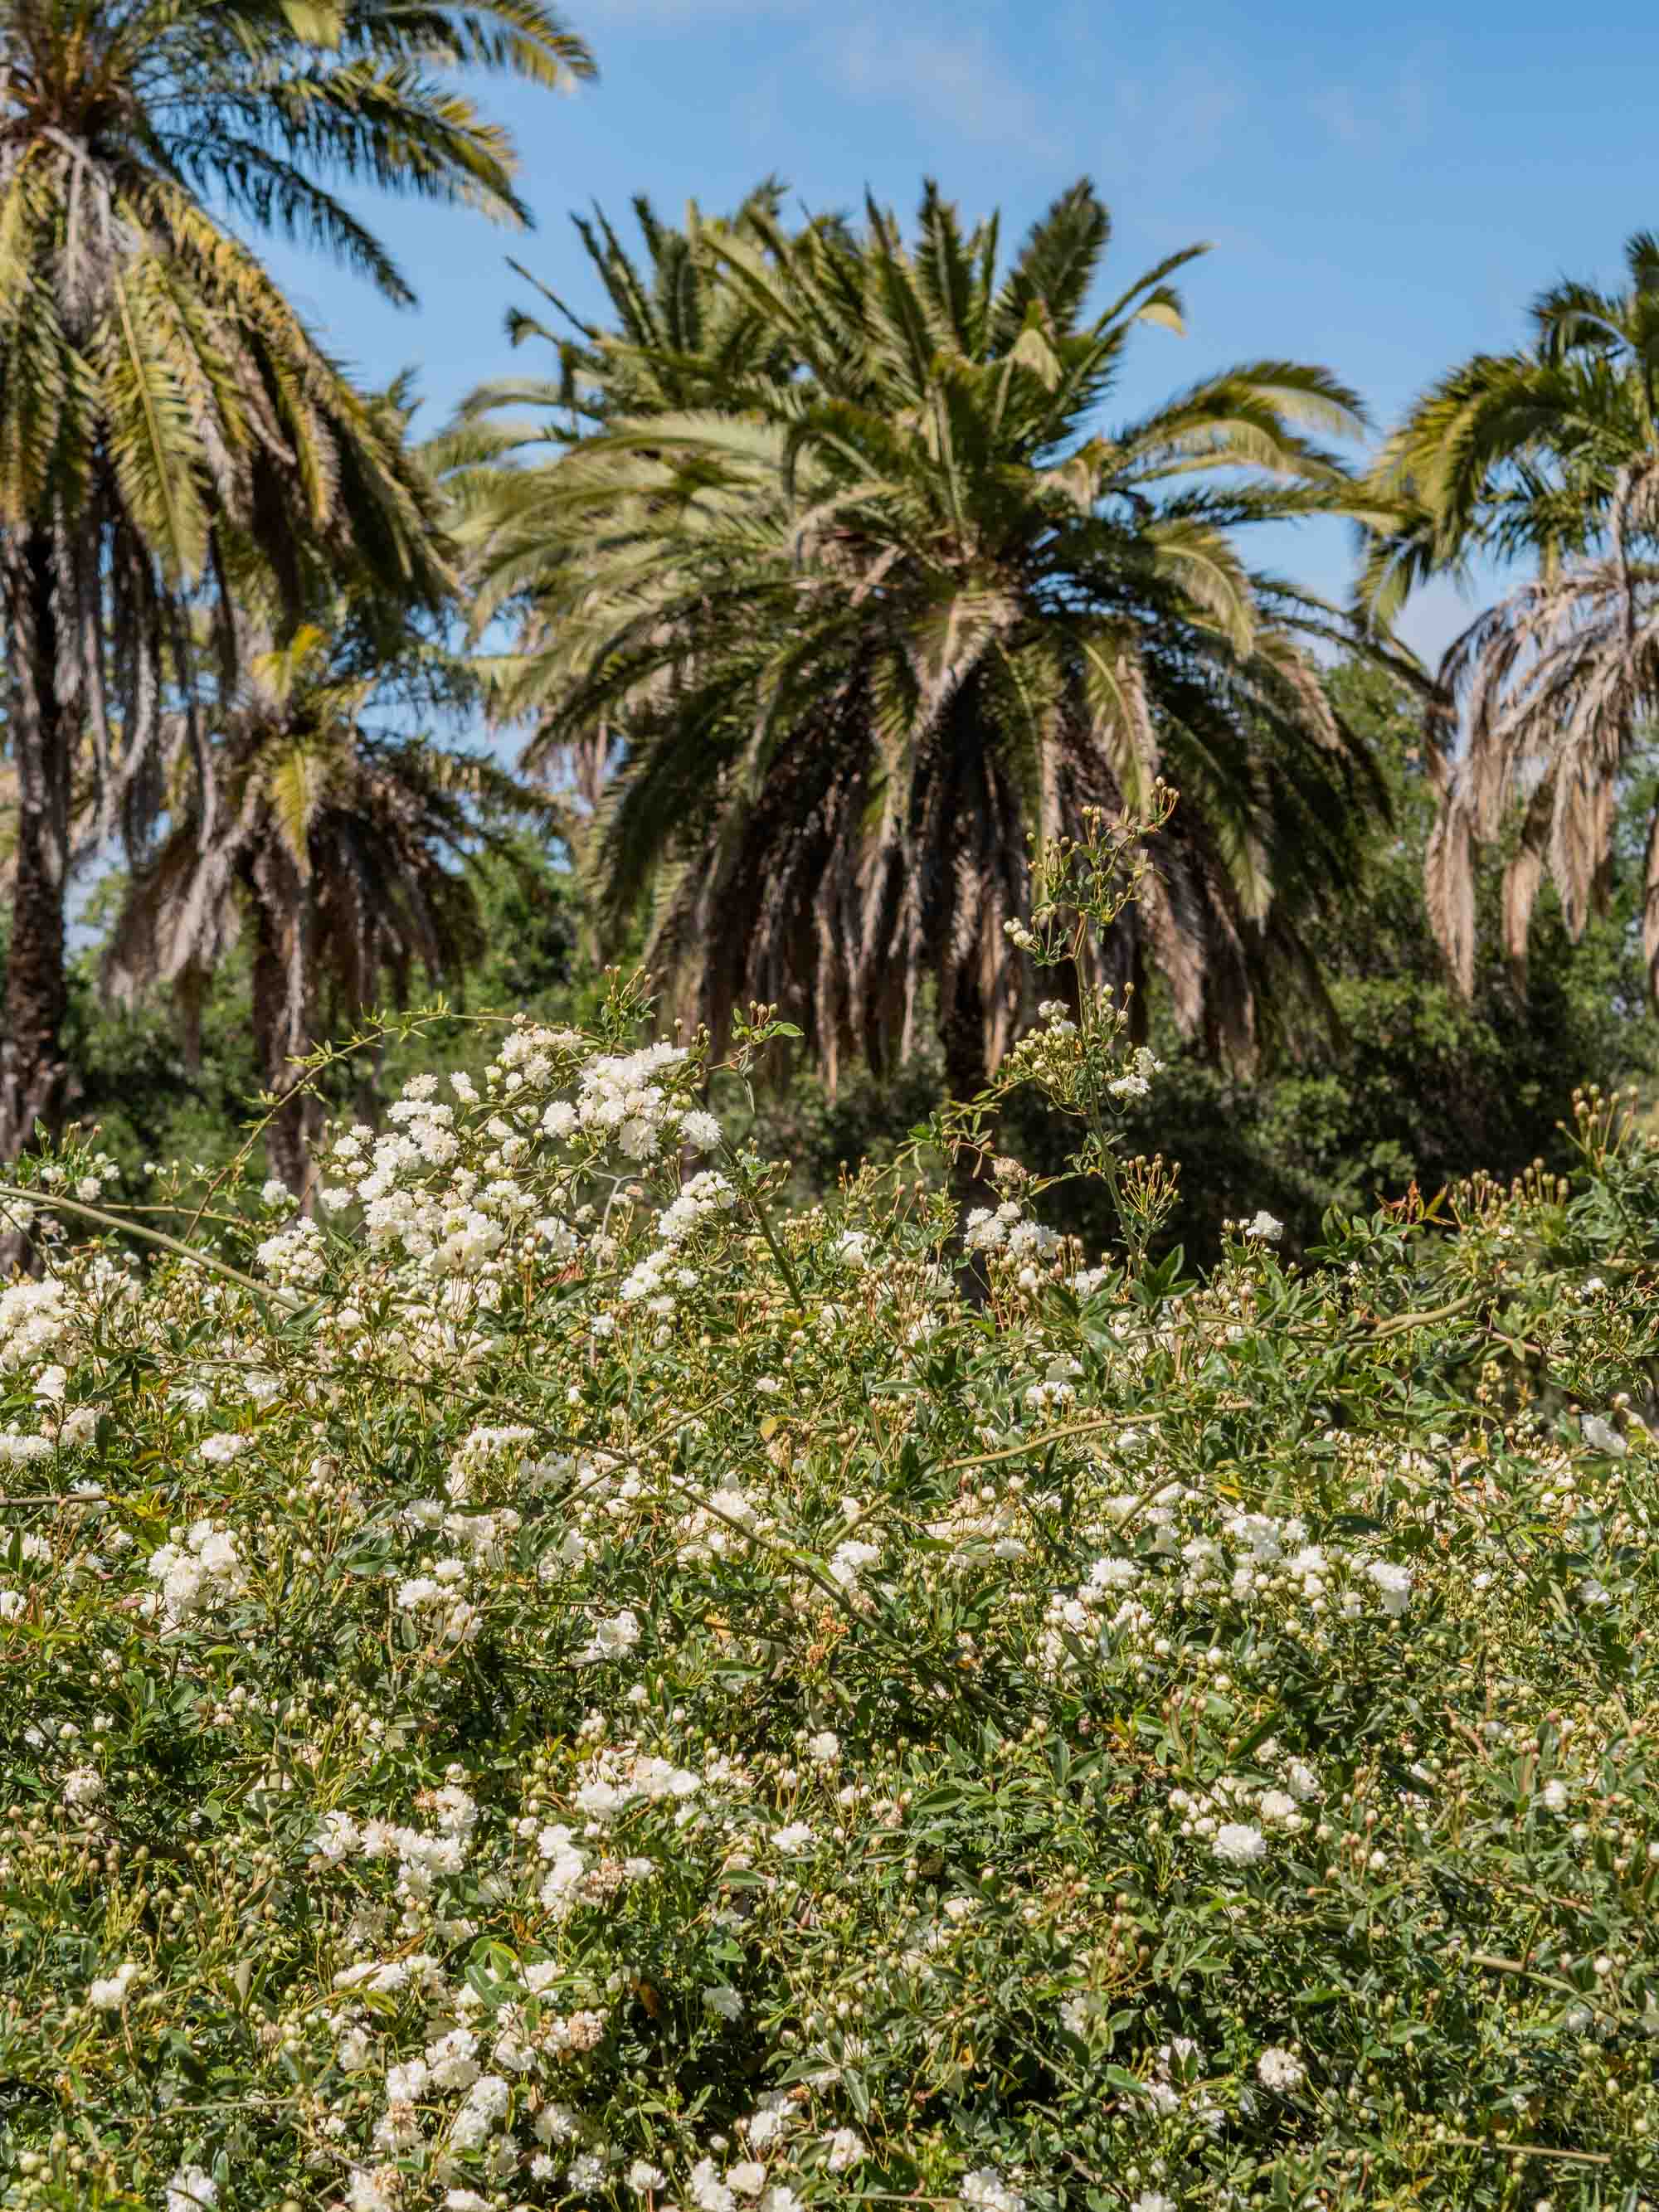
(554, 1682)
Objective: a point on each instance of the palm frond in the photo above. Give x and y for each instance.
(852, 628)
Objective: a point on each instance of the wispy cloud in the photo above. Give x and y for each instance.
(952, 76)
(1178, 119)
(1389, 116)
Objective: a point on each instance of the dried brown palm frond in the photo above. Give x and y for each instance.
(1550, 454)
(858, 632)
(346, 853)
(1556, 681)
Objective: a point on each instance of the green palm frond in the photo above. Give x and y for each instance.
(1057, 264)
(184, 467)
(884, 600)
(166, 417)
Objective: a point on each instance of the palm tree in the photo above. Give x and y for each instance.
(681, 337)
(682, 334)
(863, 627)
(345, 849)
(1548, 456)
(171, 433)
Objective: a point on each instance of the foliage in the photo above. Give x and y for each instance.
(681, 337)
(154, 1101)
(174, 440)
(1550, 454)
(1417, 1085)
(557, 1680)
(858, 629)
(350, 848)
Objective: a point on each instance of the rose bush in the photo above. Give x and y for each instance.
(549, 1682)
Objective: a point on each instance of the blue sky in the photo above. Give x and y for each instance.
(1383, 196)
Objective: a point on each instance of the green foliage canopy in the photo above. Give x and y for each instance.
(172, 433)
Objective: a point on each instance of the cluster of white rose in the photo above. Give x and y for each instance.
(641, 1664)
(35, 1319)
(1007, 1235)
(1239, 1559)
(200, 1567)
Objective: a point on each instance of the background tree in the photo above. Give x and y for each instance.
(1547, 456)
(171, 432)
(861, 629)
(153, 1104)
(345, 849)
(681, 335)
(1414, 1083)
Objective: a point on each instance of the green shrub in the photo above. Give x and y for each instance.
(1406, 1083)
(554, 1682)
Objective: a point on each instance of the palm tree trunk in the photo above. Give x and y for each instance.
(32, 1072)
(962, 1035)
(188, 995)
(295, 1125)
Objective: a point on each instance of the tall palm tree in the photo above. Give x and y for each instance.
(863, 627)
(1545, 456)
(346, 850)
(682, 335)
(171, 432)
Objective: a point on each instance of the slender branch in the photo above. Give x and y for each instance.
(61, 1498)
(1399, 1323)
(1054, 1437)
(1528, 2150)
(752, 1199)
(50, 1202)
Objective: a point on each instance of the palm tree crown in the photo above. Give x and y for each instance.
(171, 432)
(861, 626)
(681, 335)
(344, 846)
(1547, 455)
